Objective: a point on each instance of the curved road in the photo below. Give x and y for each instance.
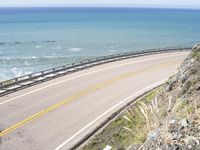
(56, 114)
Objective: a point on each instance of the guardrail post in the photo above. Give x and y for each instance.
(16, 80)
(42, 73)
(1, 86)
(64, 67)
(54, 70)
(30, 76)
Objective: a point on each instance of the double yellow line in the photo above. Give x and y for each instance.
(83, 93)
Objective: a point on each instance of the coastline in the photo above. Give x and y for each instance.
(33, 39)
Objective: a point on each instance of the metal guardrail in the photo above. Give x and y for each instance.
(18, 83)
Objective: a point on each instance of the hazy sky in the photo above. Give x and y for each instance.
(145, 3)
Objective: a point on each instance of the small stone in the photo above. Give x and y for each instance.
(176, 136)
(153, 134)
(190, 140)
(172, 121)
(184, 123)
(189, 146)
(108, 147)
(177, 147)
(197, 87)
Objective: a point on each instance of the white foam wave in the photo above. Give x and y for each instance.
(38, 46)
(16, 72)
(34, 57)
(75, 49)
(8, 58)
(6, 74)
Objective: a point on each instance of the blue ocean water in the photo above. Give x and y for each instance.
(33, 39)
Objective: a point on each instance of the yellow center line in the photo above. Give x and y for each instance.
(83, 93)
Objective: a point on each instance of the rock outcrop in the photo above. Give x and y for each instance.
(180, 98)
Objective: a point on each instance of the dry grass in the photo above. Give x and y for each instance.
(126, 129)
(147, 115)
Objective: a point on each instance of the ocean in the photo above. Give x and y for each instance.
(34, 39)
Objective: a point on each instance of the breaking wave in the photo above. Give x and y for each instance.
(14, 67)
(75, 49)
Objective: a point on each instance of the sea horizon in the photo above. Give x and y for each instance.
(192, 7)
(101, 6)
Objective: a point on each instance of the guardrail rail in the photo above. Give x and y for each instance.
(12, 85)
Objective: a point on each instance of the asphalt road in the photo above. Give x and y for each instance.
(56, 114)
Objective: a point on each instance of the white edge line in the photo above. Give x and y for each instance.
(98, 70)
(109, 110)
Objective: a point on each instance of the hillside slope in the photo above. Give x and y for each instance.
(180, 101)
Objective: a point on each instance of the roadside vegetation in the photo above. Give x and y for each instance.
(126, 128)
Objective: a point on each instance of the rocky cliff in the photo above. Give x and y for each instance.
(179, 106)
